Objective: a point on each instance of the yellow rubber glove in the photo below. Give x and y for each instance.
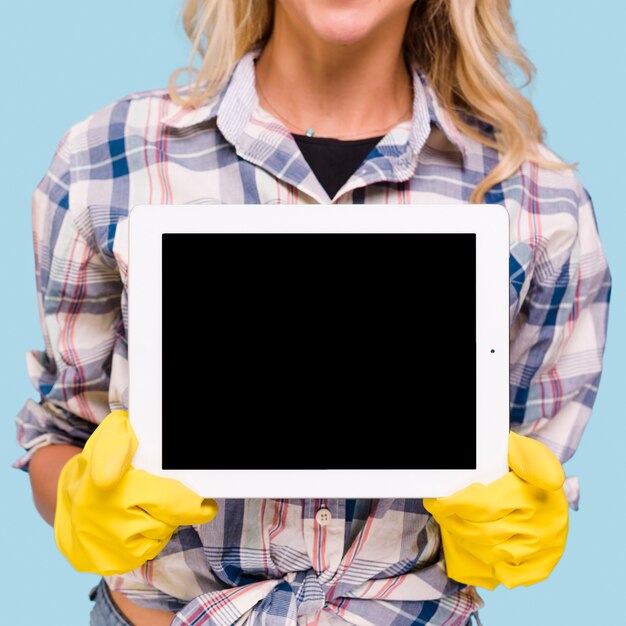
(511, 531)
(111, 518)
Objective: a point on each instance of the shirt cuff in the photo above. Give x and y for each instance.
(38, 426)
(572, 492)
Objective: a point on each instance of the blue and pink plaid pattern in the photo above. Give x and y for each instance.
(269, 562)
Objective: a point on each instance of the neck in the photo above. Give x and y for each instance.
(336, 89)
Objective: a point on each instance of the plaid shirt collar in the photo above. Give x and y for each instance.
(272, 147)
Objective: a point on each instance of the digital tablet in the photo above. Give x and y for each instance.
(303, 351)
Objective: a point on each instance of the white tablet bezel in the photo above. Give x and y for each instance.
(490, 223)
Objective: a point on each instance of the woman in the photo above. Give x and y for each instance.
(308, 101)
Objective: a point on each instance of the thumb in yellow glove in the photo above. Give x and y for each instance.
(511, 531)
(111, 518)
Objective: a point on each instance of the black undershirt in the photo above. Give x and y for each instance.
(333, 161)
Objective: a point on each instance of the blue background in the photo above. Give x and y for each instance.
(63, 60)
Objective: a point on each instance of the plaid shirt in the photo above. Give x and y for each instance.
(271, 562)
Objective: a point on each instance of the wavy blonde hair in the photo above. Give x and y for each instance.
(468, 49)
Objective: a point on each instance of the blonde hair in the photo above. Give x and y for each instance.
(468, 49)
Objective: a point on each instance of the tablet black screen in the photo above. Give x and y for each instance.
(319, 351)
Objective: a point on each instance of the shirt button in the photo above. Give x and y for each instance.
(323, 516)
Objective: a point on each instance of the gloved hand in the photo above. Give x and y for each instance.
(111, 518)
(511, 531)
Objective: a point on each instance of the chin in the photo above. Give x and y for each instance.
(344, 22)
(343, 25)
(343, 33)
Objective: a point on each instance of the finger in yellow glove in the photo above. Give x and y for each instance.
(511, 531)
(111, 518)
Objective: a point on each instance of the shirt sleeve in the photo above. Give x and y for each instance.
(558, 339)
(78, 297)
